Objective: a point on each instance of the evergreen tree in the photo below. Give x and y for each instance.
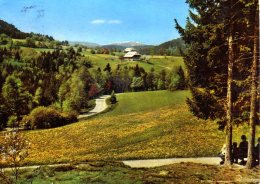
(151, 80)
(137, 71)
(214, 39)
(254, 81)
(3, 113)
(182, 80)
(17, 56)
(107, 68)
(162, 80)
(38, 96)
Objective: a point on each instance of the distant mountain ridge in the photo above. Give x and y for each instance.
(173, 47)
(117, 45)
(123, 45)
(127, 44)
(88, 44)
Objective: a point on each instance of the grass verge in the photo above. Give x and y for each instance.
(116, 173)
(141, 126)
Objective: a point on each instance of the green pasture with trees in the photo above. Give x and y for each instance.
(66, 79)
(161, 106)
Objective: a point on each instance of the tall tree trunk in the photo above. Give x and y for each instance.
(253, 114)
(229, 98)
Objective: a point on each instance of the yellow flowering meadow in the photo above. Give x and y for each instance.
(168, 130)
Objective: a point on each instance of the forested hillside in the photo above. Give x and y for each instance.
(13, 37)
(175, 47)
(11, 31)
(65, 79)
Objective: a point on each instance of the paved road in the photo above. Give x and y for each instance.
(160, 162)
(101, 105)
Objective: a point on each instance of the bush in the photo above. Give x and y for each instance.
(46, 117)
(113, 99)
(12, 121)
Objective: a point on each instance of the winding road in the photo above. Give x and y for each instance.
(101, 105)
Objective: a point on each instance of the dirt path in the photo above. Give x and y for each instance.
(160, 162)
(101, 105)
(146, 163)
(149, 163)
(35, 166)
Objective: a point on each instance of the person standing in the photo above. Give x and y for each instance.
(242, 149)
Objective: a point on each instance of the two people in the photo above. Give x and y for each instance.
(240, 152)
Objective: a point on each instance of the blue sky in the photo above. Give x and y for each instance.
(98, 21)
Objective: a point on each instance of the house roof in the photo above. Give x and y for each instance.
(129, 49)
(132, 54)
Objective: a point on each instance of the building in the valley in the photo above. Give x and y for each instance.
(129, 50)
(132, 56)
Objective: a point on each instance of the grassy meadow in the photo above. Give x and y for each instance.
(147, 101)
(117, 173)
(100, 60)
(156, 62)
(143, 125)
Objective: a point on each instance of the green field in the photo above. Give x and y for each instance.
(160, 126)
(117, 173)
(157, 62)
(147, 101)
(100, 60)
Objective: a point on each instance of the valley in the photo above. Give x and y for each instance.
(177, 103)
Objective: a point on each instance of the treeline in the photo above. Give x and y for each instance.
(222, 62)
(62, 80)
(8, 32)
(174, 47)
(27, 82)
(125, 79)
(32, 41)
(11, 31)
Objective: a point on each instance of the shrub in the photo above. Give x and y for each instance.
(46, 117)
(12, 121)
(69, 117)
(113, 99)
(25, 123)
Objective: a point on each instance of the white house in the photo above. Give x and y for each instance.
(129, 50)
(132, 56)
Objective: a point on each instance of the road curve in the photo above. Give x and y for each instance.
(101, 105)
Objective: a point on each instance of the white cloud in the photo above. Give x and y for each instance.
(102, 21)
(114, 22)
(98, 21)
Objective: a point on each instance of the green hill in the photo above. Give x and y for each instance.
(13, 37)
(11, 31)
(143, 125)
(156, 62)
(174, 47)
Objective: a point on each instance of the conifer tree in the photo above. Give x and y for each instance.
(254, 81)
(215, 37)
